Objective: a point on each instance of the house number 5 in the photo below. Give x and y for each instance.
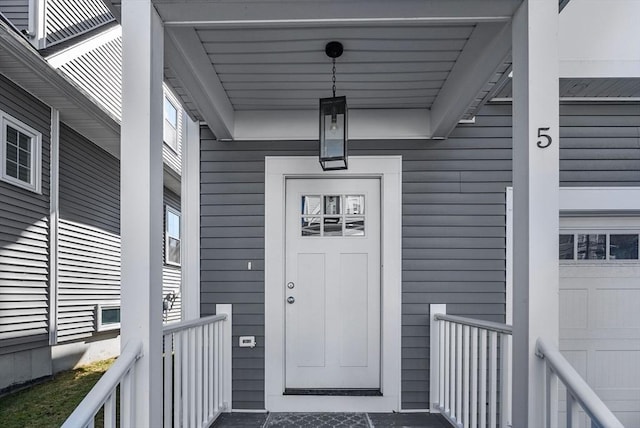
(544, 138)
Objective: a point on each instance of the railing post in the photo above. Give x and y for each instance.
(227, 344)
(434, 357)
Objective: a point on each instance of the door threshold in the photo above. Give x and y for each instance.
(336, 392)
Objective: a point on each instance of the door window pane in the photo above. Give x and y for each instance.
(310, 226)
(311, 205)
(623, 247)
(332, 205)
(592, 246)
(566, 247)
(333, 226)
(354, 226)
(354, 204)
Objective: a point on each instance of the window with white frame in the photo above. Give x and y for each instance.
(170, 124)
(20, 154)
(107, 317)
(172, 237)
(601, 246)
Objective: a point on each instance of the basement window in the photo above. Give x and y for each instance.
(20, 154)
(107, 317)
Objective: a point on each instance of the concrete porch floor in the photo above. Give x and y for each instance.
(330, 420)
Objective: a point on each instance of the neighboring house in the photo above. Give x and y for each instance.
(60, 190)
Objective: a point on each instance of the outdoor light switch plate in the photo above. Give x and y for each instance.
(247, 342)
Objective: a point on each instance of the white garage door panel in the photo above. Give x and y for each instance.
(600, 326)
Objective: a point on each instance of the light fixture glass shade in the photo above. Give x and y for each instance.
(333, 133)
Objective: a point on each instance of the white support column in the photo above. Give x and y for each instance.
(141, 202)
(536, 194)
(54, 216)
(191, 221)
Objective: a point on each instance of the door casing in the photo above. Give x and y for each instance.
(388, 169)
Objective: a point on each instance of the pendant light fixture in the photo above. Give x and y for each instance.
(333, 121)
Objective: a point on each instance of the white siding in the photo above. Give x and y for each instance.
(68, 18)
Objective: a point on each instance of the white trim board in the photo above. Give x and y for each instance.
(389, 170)
(600, 201)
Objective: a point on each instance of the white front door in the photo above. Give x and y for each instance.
(332, 284)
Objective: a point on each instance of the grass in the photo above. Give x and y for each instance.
(50, 403)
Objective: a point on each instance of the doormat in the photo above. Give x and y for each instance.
(317, 420)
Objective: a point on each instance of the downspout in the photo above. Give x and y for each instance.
(37, 23)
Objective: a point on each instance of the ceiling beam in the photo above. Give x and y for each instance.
(185, 54)
(281, 12)
(364, 124)
(487, 49)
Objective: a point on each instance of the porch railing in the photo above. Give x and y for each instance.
(197, 370)
(104, 394)
(470, 371)
(579, 394)
(196, 378)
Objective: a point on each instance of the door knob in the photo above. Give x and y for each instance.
(290, 299)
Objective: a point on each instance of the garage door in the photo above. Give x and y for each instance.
(600, 308)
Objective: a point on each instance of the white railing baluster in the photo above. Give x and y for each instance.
(572, 410)
(551, 402)
(441, 351)
(482, 393)
(458, 415)
(465, 377)
(205, 373)
(198, 391)
(177, 379)
(214, 351)
(167, 395)
(126, 413)
(447, 350)
(493, 378)
(452, 370)
(505, 382)
(186, 379)
(110, 411)
(474, 377)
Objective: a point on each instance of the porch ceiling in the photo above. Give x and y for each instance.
(236, 62)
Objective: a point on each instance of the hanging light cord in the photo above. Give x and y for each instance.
(334, 78)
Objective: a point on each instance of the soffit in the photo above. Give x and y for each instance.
(620, 88)
(439, 56)
(381, 67)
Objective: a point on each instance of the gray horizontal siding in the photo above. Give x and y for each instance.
(17, 12)
(24, 238)
(89, 241)
(68, 18)
(171, 275)
(453, 243)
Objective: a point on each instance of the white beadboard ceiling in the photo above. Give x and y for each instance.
(230, 60)
(381, 67)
